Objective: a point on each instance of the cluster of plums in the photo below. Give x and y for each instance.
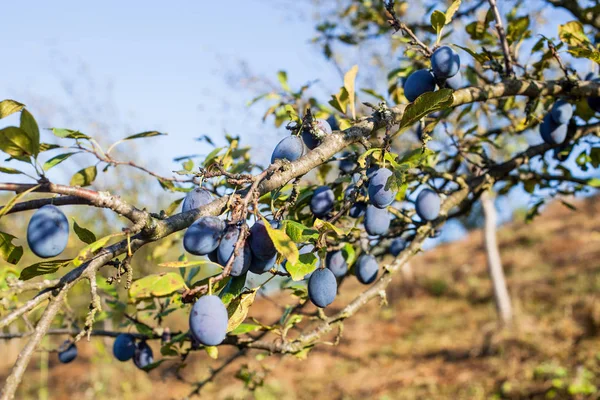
(293, 147)
(445, 70)
(125, 348)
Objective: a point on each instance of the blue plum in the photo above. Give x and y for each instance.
(322, 287)
(203, 236)
(562, 112)
(260, 242)
(358, 207)
(48, 232)
(69, 354)
(366, 269)
(241, 264)
(208, 320)
(335, 126)
(259, 266)
(593, 102)
(322, 201)
(124, 347)
(213, 255)
(313, 137)
(397, 246)
(445, 62)
(143, 355)
(428, 205)
(336, 262)
(290, 148)
(377, 220)
(379, 196)
(551, 132)
(195, 199)
(417, 83)
(347, 163)
(455, 82)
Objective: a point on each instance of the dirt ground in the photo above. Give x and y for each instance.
(436, 339)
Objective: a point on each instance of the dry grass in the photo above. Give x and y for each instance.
(441, 343)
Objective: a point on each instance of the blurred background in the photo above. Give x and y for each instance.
(190, 69)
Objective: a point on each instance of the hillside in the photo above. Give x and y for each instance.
(437, 339)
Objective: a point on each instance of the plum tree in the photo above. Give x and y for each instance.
(552, 132)
(397, 245)
(261, 243)
(203, 236)
(562, 112)
(48, 232)
(336, 262)
(241, 263)
(208, 320)
(445, 62)
(322, 201)
(379, 196)
(481, 150)
(366, 269)
(417, 83)
(197, 197)
(322, 287)
(290, 148)
(69, 354)
(377, 220)
(124, 347)
(428, 205)
(143, 355)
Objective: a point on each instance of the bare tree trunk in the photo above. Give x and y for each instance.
(501, 296)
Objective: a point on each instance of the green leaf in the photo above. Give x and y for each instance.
(12, 171)
(188, 264)
(438, 20)
(481, 58)
(144, 135)
(340, 101)
(173, 206)
(362, 160)
(84, 177)
(156, 285)
(299, 233)
(8, 107)
(349, 254)
(48, 146)
(244, 328)
(88, 251)
(426, 104)
(54, 161)
(15, 142)
(349, 81)
(4, 210)
(8, 251)
(85, 235)
(30, 127)
(594, 182)
(306, 264)
(324, 226)
(42, 268)
(283, 80)
(238, 309)
(153, 365)
(233, 289)
(283, 244)
(69, 134)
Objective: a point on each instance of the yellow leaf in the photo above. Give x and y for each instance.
(238, 309)
(349, 81)
(283, 244)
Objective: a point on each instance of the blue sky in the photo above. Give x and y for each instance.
(140, 65)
